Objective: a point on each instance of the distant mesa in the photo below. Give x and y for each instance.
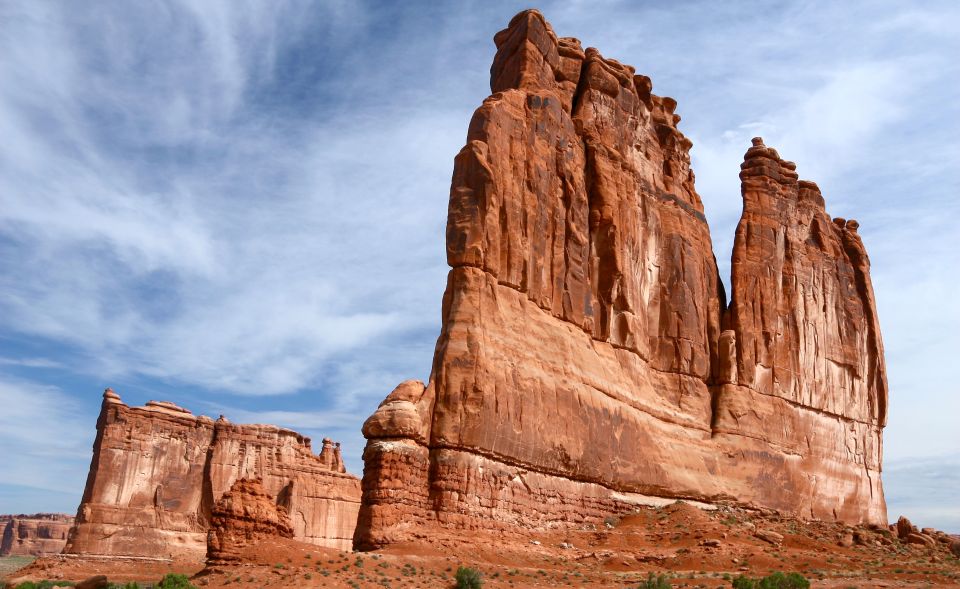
(589, 359)
(37, 534)
(159, 474)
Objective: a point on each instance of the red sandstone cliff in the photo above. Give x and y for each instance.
(581, 365)
(38, 534)
(157, 472)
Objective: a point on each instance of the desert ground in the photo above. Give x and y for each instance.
(691, 547)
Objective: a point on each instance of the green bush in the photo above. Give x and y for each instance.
(775, 581)
(468, 578)
(655, 582)
(174, 581)
(44, 584)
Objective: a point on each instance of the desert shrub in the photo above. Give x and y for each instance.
(655, 582)
(44, 584)
(468, 578)
(174, 581)
(777, 580)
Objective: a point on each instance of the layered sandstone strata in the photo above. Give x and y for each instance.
(158, 471)
(38, 534)
(587, 358)
(244, 516)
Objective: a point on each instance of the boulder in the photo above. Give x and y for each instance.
(770, 536)
(905, 528)
(917, 538)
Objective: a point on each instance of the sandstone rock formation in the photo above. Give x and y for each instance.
(588, 358)
(38, 534)
(904, 528)
(244, 516)
(158, 471)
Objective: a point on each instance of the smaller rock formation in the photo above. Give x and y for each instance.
(158, 471)
(243, 517)
(904, 528)
(330, 456)
(38, 534)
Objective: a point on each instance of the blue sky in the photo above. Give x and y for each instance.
(240, 206)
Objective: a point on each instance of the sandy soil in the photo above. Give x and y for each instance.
(697, 549)
(8, 564)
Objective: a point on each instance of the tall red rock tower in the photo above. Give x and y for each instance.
(582, 367)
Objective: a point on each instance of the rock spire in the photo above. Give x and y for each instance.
(588, 359)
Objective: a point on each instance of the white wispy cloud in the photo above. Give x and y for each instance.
(260, 256)
(31, 362)
(45, 437)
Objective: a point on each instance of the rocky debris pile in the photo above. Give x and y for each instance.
(588, 360)
(37, 534)
(928, 537)
(244, 516)
(158, 471)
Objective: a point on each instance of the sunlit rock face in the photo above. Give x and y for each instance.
(245, 516)
(588, 359)
(158, 470)
(38, 534)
